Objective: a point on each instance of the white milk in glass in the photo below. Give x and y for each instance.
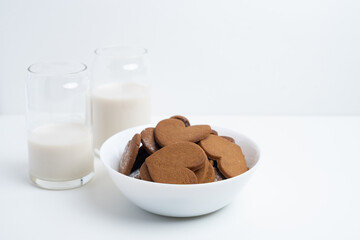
(117, 106)
(60, 152)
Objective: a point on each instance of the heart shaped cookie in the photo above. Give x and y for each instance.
(171, 131)
(176, 163)
(230, 159)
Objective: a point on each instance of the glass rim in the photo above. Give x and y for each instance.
(80, 67)
(138, 51)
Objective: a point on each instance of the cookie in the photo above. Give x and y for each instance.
(214, 132)
(229, 139)
(176, 163)
(140, 158)
(183, 119)
(144, 173)
(229, 157)
(206, 174)
(148, 140)
(129, 155)
(171, 131)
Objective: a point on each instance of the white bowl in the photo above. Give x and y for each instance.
(177, 200)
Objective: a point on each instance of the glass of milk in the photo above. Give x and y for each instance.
(120, 94)
(60, 143)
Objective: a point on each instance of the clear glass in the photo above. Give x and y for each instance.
(59, 133)
(120, 91)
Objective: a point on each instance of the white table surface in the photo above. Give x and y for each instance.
(307, 187)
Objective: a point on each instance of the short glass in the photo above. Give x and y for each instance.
(120, 95)
(59, 135)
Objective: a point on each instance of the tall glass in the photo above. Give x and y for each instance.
(120, 91)
(59, 134)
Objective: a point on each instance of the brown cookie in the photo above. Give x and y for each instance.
(229, 157)
(129, 155)
(140, 158)
(135, 174)
(214, 132)
(144, 173)
(171, 131)
(176, 163)
(206, 174)
(182, 118)
(229, 139)
(148, 140)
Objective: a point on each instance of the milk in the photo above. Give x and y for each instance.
(60, 152)
(117, 106)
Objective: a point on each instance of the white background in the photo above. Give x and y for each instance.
(205, 57)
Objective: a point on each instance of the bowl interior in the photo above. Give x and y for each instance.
(111, 151)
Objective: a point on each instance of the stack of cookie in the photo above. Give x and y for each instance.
(176, 152)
